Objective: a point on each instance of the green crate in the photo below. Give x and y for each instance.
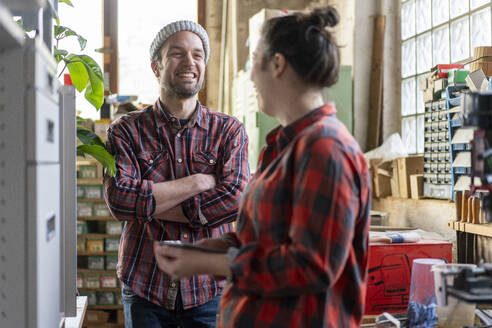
(111, 262)
(92, 281)
(93, 191)
(84, 209)
(95, 262)
(80, 191)
(82, 228)
(91, 297)
(105, 298)
(101, 210)
(87, 172)
(111, 244)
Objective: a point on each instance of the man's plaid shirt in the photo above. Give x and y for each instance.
(151, 146)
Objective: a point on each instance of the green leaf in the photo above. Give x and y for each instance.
(63, 32)
(88, 137)
(59, 30)
(94, 92)
(59, 54)
(68, 2)
(78, 71)
(101, 155)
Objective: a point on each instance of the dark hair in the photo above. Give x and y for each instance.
(306, 43)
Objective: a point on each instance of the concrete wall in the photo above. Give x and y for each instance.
(365, 10)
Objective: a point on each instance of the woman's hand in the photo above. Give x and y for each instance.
(215, 244)
(180, 263)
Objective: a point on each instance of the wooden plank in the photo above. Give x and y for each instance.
(479, 229)
(110, 31)
(202, 20)
(374, 132)
(223, 47)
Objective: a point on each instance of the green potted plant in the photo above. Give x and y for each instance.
(86, 75)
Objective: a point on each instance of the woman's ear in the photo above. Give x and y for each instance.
(279, 64)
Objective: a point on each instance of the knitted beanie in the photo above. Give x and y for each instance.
(170, 29)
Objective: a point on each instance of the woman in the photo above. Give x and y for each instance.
(300, 253)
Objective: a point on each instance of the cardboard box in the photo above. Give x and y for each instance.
(406, 167)
(423, 83)
(389, 272)
(440, 85)
(417, 186)
(484, 63)
(429, 94)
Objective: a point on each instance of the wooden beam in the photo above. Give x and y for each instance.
(202, 20)
(223, 51)
(110, 37)
(376, 92)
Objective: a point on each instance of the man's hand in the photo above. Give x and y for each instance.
(205, 182)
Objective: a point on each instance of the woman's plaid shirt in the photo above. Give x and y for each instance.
(303, 231)
(151, 146)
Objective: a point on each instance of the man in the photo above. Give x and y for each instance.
(181, 169)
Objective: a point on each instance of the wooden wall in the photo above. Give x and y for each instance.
(229, 51)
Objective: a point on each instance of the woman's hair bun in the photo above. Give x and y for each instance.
(322, 17)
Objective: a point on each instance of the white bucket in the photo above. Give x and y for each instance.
(456, 313)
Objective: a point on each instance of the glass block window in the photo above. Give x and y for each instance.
(435, 32)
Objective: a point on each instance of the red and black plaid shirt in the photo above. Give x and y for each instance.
(151, 146)
(303, 231)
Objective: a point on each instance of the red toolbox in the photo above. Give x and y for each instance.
(389, 273)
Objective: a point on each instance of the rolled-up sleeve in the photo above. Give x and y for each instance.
(220, 205)
(128, 196)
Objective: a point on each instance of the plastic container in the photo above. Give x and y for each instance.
(456, 313)
(422, 301)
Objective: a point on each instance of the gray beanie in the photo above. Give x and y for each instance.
(172, 28)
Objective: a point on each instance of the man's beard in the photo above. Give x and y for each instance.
(180, 92)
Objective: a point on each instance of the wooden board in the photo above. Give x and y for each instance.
(374, 128)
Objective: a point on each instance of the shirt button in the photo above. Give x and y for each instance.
(211, 161)
(185, 235)
(178, 135)
(180, 160)
(173, 119)
(151, 161)
(173, 284)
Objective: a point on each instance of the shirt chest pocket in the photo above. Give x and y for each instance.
(204, 163)
(154, 165)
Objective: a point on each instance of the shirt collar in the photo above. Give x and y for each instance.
(284, 135)
(163, 116)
